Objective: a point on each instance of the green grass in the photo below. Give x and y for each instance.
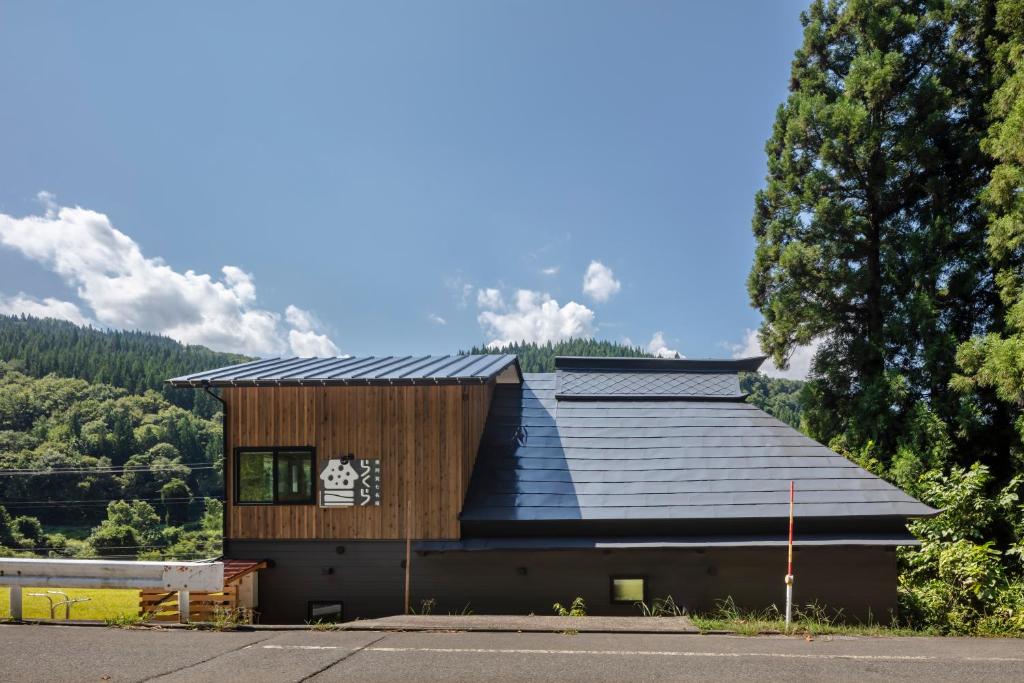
(104, 604)
(808, 620)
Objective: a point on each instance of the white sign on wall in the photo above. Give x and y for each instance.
(349, 481)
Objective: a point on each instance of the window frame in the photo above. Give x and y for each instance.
(311, 605)
(620, 577)
(275, 450)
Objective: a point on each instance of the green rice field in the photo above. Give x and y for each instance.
(104, 603)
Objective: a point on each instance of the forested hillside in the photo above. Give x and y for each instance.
(778, 397)
(112, 468)
(541, 357)
(136, 361)
(72, 452)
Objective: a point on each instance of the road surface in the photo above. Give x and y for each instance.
(81, 653)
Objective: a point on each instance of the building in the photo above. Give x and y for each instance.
(618, 480)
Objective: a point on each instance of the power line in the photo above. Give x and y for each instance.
(113, 547)
(97, 470)
(66, 468)
(101, 501)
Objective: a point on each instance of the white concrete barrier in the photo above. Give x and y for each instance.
(182, 577)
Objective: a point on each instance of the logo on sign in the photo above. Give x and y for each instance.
(349, 481)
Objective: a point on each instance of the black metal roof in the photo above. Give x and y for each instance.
(356, 371)
(731, 365)
(550, 460)
(584, 379)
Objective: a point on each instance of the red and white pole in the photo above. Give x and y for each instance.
(789, 566)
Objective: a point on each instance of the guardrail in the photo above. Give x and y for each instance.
(181, 577)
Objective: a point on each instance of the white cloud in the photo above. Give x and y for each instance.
(309, 343)
(304, 339)
(536, 317)
(799, 362)
(122, 288)
(490, 298)
(301, 319)
(45, 308)
(659, 347)
(49, 202)
(461, 289)
(551, 270)
(599, 282)
(436, 319)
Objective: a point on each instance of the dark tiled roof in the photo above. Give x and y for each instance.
(650, 378)
(582, 384)
(547, 459)
(352, 370)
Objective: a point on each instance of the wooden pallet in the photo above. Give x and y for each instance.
(163, 606)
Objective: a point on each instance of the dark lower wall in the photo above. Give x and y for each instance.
(369, 579)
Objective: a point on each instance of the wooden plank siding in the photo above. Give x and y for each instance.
(425, 436)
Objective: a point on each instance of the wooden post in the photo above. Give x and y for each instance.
(789, 563)
(16, 603)
(408, 550)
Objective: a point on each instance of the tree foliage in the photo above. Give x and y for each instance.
(869, 230)
(891, 230)
(781, 398)
(535, 357)
(136, 361)
(79, 450)
(996, 360)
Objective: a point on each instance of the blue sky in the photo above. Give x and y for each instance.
(367, 170)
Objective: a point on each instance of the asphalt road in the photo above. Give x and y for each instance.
(69, 653)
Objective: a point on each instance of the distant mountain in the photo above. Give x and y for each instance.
(781, 398)
(135, 361)
(541, 357)
(777, 397)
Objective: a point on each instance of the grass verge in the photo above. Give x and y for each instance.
(105, 604)
(808, 620)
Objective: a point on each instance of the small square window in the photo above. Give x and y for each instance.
(325, 611)
(294, 477)
(256, 477)
(628, 589)
(268, 476)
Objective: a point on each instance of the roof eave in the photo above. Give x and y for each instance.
(718, 365)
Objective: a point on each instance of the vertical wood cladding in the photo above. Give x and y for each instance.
(425, 436)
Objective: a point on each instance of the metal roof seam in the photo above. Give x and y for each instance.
(351, 371)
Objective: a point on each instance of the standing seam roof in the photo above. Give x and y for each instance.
(350, 370)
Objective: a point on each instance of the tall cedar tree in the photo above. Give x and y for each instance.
(869, 233)
(995, 362)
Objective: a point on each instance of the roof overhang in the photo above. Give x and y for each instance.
(887, 540)
(688, 365)
(366, 371)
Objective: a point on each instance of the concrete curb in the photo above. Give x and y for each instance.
(359, 627)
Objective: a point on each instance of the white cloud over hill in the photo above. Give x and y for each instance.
(118, 286)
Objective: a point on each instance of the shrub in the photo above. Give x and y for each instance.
(578, 608)
(29, 529)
